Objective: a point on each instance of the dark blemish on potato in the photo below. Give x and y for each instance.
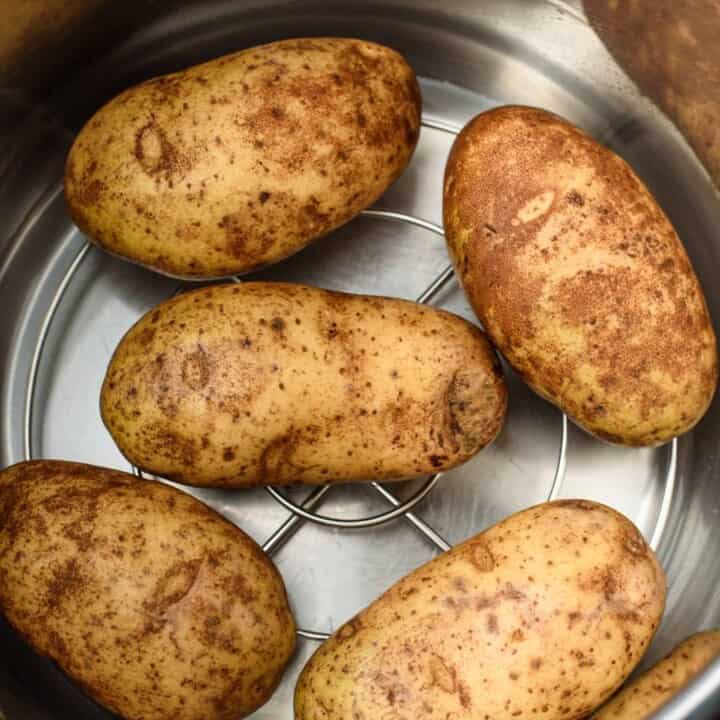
(156, 155)
(635, 543)
(90, 193)
(575, 198)
(492, 624)
(228, 454)
(196, 369)
(349, 629)
(460, 585)
(609, 585)
(437, 460)
(264, 197)
(80, 532)
(241, 242)
(276, 456)
(512, 593)
(158, 440)
(482, 558)
(66, 580)
(442, 675)
(584, 505)
(277, 324)
(241, 588)
(146, 336)
(173, 586)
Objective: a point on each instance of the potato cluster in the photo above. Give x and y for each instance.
(161, 609)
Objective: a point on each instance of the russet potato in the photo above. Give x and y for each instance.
(578, 276)
(543, 615)
(242, 161)
(159, 608)
(640, 699)
(277, 383)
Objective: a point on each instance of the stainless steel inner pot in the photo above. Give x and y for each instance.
(64, 304)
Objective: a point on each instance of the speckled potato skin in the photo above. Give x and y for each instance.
(242, 161)
(578, 277)
(277, 383)
(640, 699)
(154, 604)
(543, 615)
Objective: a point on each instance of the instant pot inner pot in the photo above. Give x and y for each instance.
(66, 304)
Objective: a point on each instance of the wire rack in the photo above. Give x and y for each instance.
(307, 511)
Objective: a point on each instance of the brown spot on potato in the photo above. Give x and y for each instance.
(575, 198)
(635, 543)
(349, 629)
(276, 458)
(583, 505)
(67, 579)
(155, 154)
(482, 557)
(165, 443)
(173, 586)
(442, 675)
(242, 244)
(91, 193)
(196, 369)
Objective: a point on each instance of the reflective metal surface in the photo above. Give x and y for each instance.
(65, 305)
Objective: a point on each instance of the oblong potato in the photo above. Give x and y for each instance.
(242, 161)
(154, 604)
(544, 614)
(578, 277)
(275, 383)
(640, 699)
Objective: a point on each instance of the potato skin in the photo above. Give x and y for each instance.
(578, 277)
(545, 613)
(277, 383)
(242, 161)
(641, 698)
(153, 603)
